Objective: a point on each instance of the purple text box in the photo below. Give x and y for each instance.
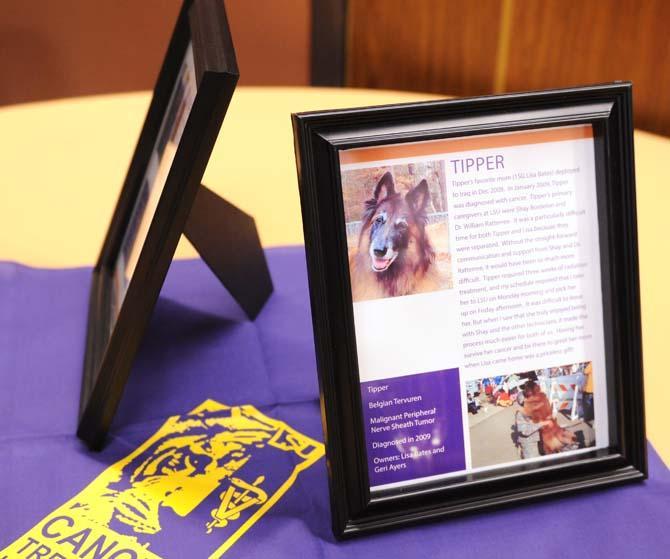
(413, 426)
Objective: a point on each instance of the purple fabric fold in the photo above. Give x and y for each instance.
(198, 347)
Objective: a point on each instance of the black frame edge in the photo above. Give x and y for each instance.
(315, 142)
(109, 355)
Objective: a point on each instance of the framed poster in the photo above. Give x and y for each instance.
(475, 298)
(162, 198)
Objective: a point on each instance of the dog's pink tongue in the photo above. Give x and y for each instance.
(381, 263)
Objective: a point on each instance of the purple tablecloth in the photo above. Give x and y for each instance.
(197, 348)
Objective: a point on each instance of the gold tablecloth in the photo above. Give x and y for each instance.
(62, 164)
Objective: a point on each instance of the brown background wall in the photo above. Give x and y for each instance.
(463, 47)
(63, 48)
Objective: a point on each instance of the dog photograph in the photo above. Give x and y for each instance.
(531, 414)
(397, 230)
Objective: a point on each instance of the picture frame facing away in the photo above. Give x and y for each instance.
(162, 198)
(473, 274)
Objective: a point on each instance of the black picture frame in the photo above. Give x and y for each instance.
(184, 206)
(319, 138)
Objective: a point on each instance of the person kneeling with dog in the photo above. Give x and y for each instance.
(538, 432)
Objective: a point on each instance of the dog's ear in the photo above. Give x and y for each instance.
(386, 184)
(418, 197)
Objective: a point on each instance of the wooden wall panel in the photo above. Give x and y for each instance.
(557, 43)
(460, 47)
(423, 45)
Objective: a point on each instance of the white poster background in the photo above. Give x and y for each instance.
(419, 333)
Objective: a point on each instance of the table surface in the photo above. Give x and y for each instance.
(62, 164)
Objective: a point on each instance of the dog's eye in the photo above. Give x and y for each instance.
(380, 219)
(401, 225)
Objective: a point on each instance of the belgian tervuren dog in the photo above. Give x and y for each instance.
(394, 255)
(536, 406)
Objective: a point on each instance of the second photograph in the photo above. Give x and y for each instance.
(530, 414)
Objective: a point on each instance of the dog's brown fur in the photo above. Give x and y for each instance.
(536, 406)
(413, 270)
